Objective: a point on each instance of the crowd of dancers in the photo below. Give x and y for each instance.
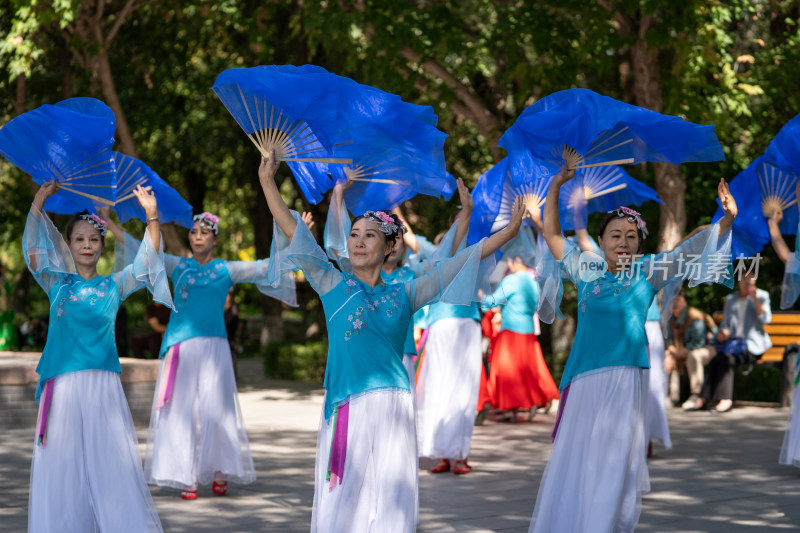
(382, 411)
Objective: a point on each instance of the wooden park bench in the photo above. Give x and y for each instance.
(783, 330)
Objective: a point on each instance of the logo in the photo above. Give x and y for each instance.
(591, 266)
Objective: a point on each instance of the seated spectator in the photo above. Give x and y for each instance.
(689, 332)
(741, 340)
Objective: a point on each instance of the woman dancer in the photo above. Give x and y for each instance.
(656, 426)
(450, 373)
(86, 466)
(519, 377)
(366, 468)
(597, 469)
(790, 451)
(196, 386)
(337, 229)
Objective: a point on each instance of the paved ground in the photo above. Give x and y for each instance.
(722, 475)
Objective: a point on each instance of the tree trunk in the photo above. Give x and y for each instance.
(19, 98)
(670, 182)
(102, 69)
(671, 186)
(644, 71)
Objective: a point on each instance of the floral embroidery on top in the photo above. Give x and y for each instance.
(357, 319)
(605, 285)
(85, 294)
(194, 277)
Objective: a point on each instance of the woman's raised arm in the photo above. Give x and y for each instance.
(278, 207)
(552, 225)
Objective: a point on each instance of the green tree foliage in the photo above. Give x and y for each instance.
(479, 63)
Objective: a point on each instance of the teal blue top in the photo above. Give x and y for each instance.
(522, 293)
(200, 293)
(337, 230)
(401, 275)
(200, 290)
(441, 311)
(612, 309)
(367, 327)
(80, 333)
(652, 313)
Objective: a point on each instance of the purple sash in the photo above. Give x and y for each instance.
(44, 412)
(168, 379)
(338, 454)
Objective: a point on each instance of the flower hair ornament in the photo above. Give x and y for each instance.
(98, 223)
(633, 216)
(208, 220)
(386, 222)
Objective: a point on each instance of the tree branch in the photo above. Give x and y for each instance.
(127, 9)
(486, 122)
(101, 5)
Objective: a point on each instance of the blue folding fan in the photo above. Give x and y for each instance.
(387, 171)
(396, 149)
(768, 184)
(293, 111)
(69, 142)
(318, 121)
(494, 195)
(604, 188)
(131, 173)
(586, 129)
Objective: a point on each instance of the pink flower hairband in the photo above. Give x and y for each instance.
(385, 222)
(633, 216)
(98, 223)
(208, 220)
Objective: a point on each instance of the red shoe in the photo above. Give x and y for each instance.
(219, 488)
(189, 494)
(442, 466)
(462, 467)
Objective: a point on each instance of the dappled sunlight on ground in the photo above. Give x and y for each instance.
(722, 474)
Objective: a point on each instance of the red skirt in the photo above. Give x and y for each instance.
(518, 377)
(483, 391)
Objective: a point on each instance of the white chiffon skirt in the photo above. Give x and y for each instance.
(379, 492)
(88, 475)
(409, 364)
(656, 426)
(597, 469)
(790, 452)
(199, 434)
(448, 387)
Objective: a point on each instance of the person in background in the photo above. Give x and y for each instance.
(519, 378)
(688, 334)
(741, 340)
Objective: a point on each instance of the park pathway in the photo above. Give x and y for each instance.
(721, 476)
